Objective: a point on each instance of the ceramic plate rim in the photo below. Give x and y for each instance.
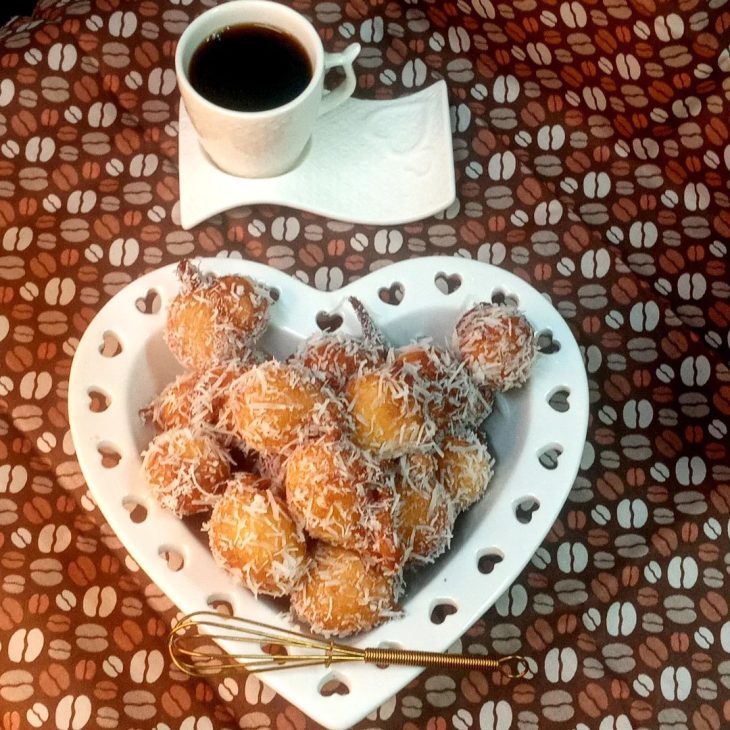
(369, 686)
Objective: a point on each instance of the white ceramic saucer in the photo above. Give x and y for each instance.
(372, 162)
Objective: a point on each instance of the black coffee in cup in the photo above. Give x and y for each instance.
(250, 68)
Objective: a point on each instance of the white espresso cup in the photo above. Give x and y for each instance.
(261, 143)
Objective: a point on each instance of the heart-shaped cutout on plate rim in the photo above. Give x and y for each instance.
(522, 426)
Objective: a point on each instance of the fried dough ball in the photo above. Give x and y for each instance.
(253, 537)
(195, 399)
(214, 319)
(343, 497)
(341, 594)
(186, 470)
(336, 358)
(447, 388)
(465, 468)
(275, 406)
(389, 416)
(425, 513)
(497, 343)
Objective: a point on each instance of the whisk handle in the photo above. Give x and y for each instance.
(409, 658)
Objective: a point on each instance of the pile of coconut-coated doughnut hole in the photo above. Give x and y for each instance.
(328, 475)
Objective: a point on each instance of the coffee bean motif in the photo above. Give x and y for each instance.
(591, 146)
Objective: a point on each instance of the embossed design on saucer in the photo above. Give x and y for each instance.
(373, 162)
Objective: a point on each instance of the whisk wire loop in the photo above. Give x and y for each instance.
(192, 652)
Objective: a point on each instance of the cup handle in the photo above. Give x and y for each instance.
(344, 91)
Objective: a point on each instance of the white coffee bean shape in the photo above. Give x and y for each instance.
(99, 602)
(25, 645)
(81, 201)
(704, 638)
(285, 228)
(440, 690)
(414, 73)
(146, 667)
(227, 689)
(437, 42)
(60, 292)
(669, 27)
(40, 149)
(691, 471)
(618, 722)
(460, 118)
(596, 185)
(73, 712)
(551, 137)
(462, 719)
(492, 253)
(644, 316)
(560, 665)
(573, 14)
(712, 528)
(11, 148)
(502, 166)
(505, 89)
(328, 278)
(112, 666)
(628, 66)
(632, 513)
(695, 371)
(572, 557)
(548, 213)
(691, 286)
(13, 478)
(675, 683)
(592, 619)
(37, 715)
(512, 602)
(143, 165)
(54, 538)
(682, 572)
(102, 114)
(638, 414)
(539, 53)
(372, 30)
(197, 723)
(621, 618)
(495, 715)
(123, 252)
(62, 57)
(162, 82)
(114, 167)
(388, 242)
(459, 39)
(595, 264)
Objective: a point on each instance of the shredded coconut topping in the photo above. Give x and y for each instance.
(329, 473)
(498, 345)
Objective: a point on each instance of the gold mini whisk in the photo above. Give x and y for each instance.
(270, 649)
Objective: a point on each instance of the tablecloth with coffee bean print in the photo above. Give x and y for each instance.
(591, 151)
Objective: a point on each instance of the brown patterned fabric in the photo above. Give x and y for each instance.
(592, 154)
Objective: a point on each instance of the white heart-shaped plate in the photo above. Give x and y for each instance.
(536, 434)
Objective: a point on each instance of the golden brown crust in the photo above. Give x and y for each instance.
(498, 345)
(389, 414)
(276, 406)
(341, 594)
(253, 537)
(214, 319)
(186, 470)
(465, 468)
